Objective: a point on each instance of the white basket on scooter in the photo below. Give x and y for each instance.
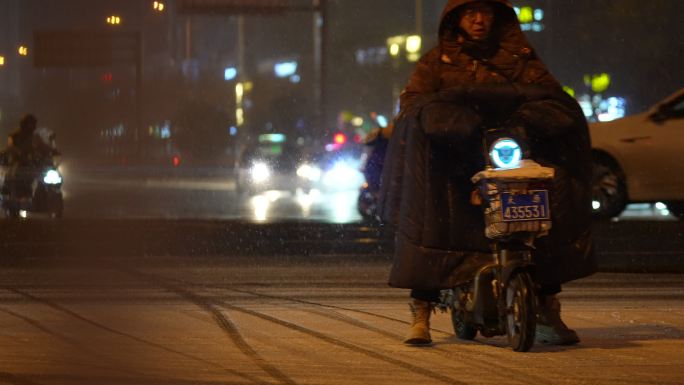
(493, 182)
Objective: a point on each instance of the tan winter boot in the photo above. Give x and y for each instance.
(420, 325)
(550, 327)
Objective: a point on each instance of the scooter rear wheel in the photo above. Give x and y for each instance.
(521, 312)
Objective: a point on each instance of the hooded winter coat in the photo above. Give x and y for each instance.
(436, 148)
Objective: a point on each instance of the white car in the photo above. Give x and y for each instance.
(639, 159)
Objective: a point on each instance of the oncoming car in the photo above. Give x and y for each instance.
(273, 163)
(639, 159)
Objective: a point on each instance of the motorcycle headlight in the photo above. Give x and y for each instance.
(506, 153)
(309, 172)
(344, 174)
(52, 177)
(260, 172)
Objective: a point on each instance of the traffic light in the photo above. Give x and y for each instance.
(176, 161)
(107, 77)
(340, 138)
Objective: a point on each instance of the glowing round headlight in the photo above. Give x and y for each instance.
(506, 153)
(260, 172)
(52, 177)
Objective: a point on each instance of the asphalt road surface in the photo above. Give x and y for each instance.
(145, 284)
(197, 194)
(111, 309)
(211, 194)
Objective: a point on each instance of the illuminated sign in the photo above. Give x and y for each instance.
(531, 19)
(272, 138)
(230, 73)
(598, 83)
(286, 69)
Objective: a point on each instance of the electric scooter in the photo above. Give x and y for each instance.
(514, 195)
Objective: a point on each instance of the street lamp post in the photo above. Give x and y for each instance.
(394, 46)
(320, 29)
(419, 17)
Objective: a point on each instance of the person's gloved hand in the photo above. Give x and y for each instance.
(500, 93)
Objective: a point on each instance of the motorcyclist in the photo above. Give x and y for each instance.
(26, 152)
(436, 148)
(377, 140)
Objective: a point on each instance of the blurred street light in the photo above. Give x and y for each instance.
(394, 49)
(239, 111)
(411, 44)
(2, 61)
(285, 69)
(414, 44)
(230, 73)
(394, 44)
(158, 6)
(23, 51)
(114, 20)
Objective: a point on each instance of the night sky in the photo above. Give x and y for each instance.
(639, 43)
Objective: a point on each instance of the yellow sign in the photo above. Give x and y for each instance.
(600, 83)
(526, 15)
(570, 91)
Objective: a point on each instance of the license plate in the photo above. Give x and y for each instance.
(525, 207)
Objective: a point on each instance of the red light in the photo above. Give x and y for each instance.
(107, 77)
(340, 138)
(176, 160)
(358, 138)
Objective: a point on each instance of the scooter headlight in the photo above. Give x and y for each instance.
(506, 153)
(52, 177)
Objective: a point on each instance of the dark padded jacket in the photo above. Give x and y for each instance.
(436, 148)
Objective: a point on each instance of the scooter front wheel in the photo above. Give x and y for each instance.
(462, 328)
(521, 312)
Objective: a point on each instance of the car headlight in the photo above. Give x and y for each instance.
(52, 177)
(260, 172)
(309, 172)
(506, 153)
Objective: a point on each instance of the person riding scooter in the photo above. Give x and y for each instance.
(435, 150)
(376, 141)
(25, 156)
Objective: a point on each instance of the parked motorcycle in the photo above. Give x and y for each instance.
(514, 195)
